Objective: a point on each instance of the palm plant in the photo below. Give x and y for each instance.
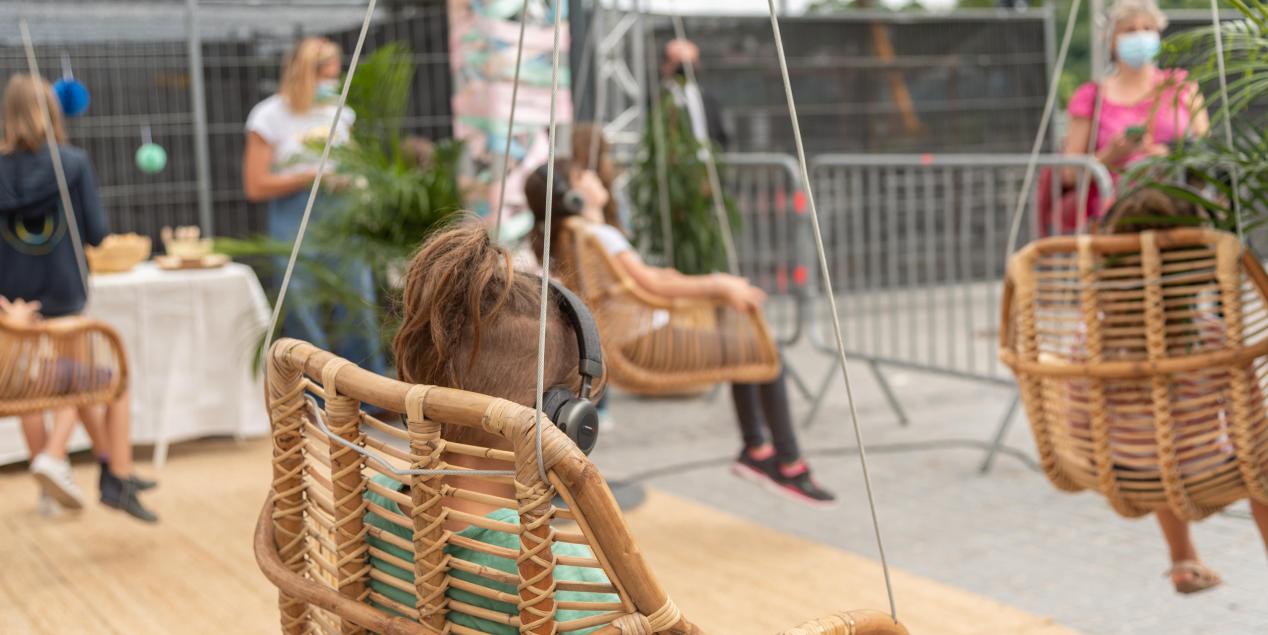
(1229, 178)
(696, 237)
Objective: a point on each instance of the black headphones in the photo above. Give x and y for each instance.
(574, 414)
(572, 200)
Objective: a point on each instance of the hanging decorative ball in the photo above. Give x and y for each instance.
(151, 158)
(72, 95)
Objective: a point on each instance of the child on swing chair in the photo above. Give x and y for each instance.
(773, 461)
(1142, 210)
(470, 321)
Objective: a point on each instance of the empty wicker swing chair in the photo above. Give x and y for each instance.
(64, 362)
(1141, 363)
(656, 345)
(349, 554)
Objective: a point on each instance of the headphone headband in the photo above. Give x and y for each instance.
(590, 364)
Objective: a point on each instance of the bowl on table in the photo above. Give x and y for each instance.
(118, 253)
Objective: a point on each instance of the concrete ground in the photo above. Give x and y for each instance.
(1009, 535)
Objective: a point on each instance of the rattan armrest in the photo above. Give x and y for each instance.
(851, 623)
(295, 585)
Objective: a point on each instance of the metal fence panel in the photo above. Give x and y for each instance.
(916, 249)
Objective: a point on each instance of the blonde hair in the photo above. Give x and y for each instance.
(1123, 10)
(23, 118)
(299, 73)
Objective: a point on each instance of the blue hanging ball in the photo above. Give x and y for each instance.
(72, 95)
(151, 158)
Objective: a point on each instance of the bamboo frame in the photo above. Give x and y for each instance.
(317, 506)
(654, 345)
(1141, 360)
(63, 362)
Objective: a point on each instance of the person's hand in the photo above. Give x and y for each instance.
(1120, 148)
(20, 312)
(741, 295)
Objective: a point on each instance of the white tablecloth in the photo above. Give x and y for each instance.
(190, 337)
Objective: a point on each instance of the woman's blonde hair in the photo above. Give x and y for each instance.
(1123, 10)
(23, 118)
(299, 73)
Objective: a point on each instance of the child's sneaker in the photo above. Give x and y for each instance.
(800, 486)
(763, 472)
(141, 484)
(55, 478)
(121, 495)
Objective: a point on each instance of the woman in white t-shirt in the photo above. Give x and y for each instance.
(285, 133)
(770, 454)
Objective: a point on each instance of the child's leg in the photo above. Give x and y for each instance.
(1260, 512)
(774, 401)
(35, 433)
(93, 419)
(119, 435)
(747, 412)
(1191, 576)
(58, 444)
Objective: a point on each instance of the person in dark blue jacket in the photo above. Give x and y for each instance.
(40, 278)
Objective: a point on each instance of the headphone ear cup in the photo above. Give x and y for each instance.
(575, 416)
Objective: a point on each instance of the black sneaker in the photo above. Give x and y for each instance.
(750, 469)
(121, 494)
(141, 484)
(802, 487)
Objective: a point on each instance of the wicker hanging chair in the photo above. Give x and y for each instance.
(1141, 362)
(59, 363)
(655, 345)
(325, 544)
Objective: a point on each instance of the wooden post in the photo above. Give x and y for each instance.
(286, 412)
(348, 480)
(431, 574)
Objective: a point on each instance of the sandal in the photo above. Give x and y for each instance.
(1194, 577)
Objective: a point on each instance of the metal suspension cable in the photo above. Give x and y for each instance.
(55, 155)
(1048, 106)
(510, 127)
(832, 303)
(710, 166)
(660, 159)
(1227, 116)
(321, 171)
(550, 200)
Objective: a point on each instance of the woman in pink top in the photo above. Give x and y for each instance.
(1143, 108)
(1133, 114)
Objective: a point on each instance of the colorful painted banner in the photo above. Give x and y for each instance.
(483, 38)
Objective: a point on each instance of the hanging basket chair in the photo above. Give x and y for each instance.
(351, 545)
(1141, 362)
(59, 363)
(655, 345)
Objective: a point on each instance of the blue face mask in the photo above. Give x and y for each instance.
(327, 90)
(1138, 48)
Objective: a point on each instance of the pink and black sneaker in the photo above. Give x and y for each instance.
(798, 486)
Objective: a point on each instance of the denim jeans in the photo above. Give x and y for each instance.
(356, 337)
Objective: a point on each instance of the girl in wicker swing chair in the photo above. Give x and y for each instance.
(770, 455)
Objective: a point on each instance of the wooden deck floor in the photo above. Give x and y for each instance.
(100, 572)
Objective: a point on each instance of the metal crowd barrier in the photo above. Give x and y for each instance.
(916, 248)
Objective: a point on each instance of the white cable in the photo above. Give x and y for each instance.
(510, 128)
(55, 154)
(321, 170)
(1228, 119)
(1048, 106)
(832, 303)
(710, 166)
(550, 200)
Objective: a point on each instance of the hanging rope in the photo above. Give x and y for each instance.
(55, 154)
(710, 166)
(832, 303)
(321, 171)
(662, 163)
(1048, 106)
(510, 127)
(1227, 116)
(550, 200)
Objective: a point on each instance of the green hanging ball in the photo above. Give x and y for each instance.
(151, 158)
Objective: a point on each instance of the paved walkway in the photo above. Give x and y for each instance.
(1008, 536)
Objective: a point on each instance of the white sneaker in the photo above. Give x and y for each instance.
(47, 506)
(55, 477)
